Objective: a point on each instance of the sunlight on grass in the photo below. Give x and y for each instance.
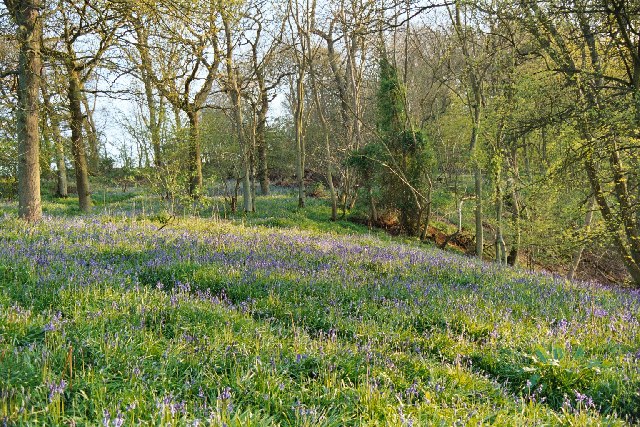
(285, 318)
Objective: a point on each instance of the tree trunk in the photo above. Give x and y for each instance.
(327, 145)
(77, 142)
(261, 140)
(146, 70)
(154, 125)
(477, 175)
(501, 251)
(246, 181)
(29, 35)
(244, 147)
(54, 123)
(373, 212)
(252, 174)
(61, 185)
(354, 92)
(427, 213)
(631, 263)
(246, 186)
(252, 158)
(195, 163)
(621, 224)
(332, 190)
(475, 105)
(477, 172)
(263, 168)
(92, 136)
(300, 146)
(343, 198)
(512, 259)
(575, 262)
(177, 125)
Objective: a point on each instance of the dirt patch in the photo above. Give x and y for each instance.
(460, 241)
(605, 266)
(387, 222)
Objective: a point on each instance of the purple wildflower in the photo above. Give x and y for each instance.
(118, 420)
(56, 389)
(226, 394)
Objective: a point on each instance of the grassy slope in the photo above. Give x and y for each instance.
(286, 318)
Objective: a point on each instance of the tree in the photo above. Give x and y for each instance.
(326, 129)
(26, 15)
(264, 79)
(53, 118)
(405, 156)
(233, 87)
(141, 27)
(347, 32)
(177, 55)
(603, 94)
(88, 30)
(299, 24)
(476, 63)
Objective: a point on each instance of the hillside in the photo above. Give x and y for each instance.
(129, 320)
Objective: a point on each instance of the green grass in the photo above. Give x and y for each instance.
(286, 318)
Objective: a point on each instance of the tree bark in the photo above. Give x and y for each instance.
(263, 166)
(475, 105)
(512, 182)
(261, 147)
(327, 145)
(77, 142)
(234, 92)
(29, 34)
(300, 145)
(426, 214)
(512, 259)
(252, 173)
(62, 181)
(261, 128)
(332, 189)
(246, 181)
(575, 262)
(54, 126)
(145, 71)
(631, 263)
(477, 176)
(195, 164)
(501, 251)
(92, 136)
(373, 212)
(177, 125)
(346, 110)
(236, 100)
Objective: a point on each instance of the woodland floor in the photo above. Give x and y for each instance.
(136, 316)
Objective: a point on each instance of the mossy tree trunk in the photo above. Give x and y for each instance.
(26, 14)
(58, 142)
(77, 141)
(195, 163)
